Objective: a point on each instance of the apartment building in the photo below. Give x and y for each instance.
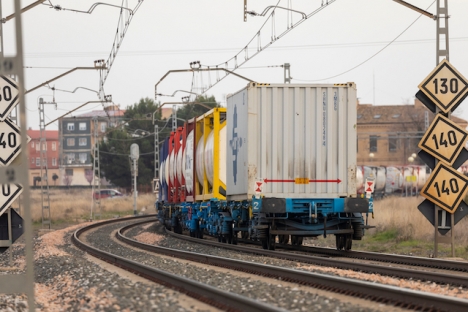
(77, 140)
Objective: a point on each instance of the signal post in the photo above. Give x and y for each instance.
(443, 149)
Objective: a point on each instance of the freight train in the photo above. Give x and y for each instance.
(278, 164)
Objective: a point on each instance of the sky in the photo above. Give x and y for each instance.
(385, 48)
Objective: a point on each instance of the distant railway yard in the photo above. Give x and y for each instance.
(179, 273)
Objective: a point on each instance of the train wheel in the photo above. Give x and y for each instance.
(192, 234)
(219, 238)
(200, 233)
(283, 239)
(293, 240)
(245, 235)
(340, 241)
(349, 242)
(299, 240)
(264, 244)
(234, 238)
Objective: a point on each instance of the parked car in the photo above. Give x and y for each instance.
(107, 193)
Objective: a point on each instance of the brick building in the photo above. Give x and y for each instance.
(389, 134)
(52, 148)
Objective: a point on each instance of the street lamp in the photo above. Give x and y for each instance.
(371, 156)
(411, 159)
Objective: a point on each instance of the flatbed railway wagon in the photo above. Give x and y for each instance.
(280, 166)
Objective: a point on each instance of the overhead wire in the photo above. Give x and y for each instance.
(371, 57)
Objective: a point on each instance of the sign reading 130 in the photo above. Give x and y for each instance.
(441, 85)
(446, 187)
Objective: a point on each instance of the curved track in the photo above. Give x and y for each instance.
(440, 278)
(381, 293)
(205, 293)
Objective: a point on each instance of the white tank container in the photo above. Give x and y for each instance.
(171, 167)
(209, 157)
(179, 165)
(290, 137)
(394, 182)
(200, 159)
(167, 165)
(188, 162)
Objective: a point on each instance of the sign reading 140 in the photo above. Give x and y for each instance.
(444, 139)
(446, 187)
(9, 141)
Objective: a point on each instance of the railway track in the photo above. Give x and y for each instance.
(205, 293)
(381, 293)
(436, 277)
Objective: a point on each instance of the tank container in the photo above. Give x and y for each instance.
(210, 155)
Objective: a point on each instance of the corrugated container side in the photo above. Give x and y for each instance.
(299, 141)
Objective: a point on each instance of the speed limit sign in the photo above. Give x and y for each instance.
(8, 96)
(445, 86)
(10, 142)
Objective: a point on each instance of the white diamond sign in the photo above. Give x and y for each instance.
(9, 94)
(8, 194)
(10, 142)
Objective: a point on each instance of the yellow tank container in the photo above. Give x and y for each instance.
(210, 155)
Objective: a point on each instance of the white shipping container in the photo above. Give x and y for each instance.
(296, 140)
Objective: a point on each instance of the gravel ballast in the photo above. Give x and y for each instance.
(67, 281)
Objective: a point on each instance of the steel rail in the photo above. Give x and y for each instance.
(388, 258)
(202, 292)
(440, 278)
(381, 293)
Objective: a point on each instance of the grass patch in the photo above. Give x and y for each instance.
(385, 235)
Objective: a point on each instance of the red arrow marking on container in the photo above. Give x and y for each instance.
(336, 181)
(317, 181)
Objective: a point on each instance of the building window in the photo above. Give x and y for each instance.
(32, 160)
(82, 141)
(71, 142)
(69, 172)
(82, 126)
(70, 158)
(44, 146)
(377, 116)
(54, 146)
(373, 143)
(38, 147)
(54, 162)
(83, 157)
(38, 161)
(32, 144)
(70, 126)
(392, 144)
(103, 127)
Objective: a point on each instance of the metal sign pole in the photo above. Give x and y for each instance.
(442, 52)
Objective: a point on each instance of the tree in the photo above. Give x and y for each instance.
(198, 107)
(115, 150)
(55, 177)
